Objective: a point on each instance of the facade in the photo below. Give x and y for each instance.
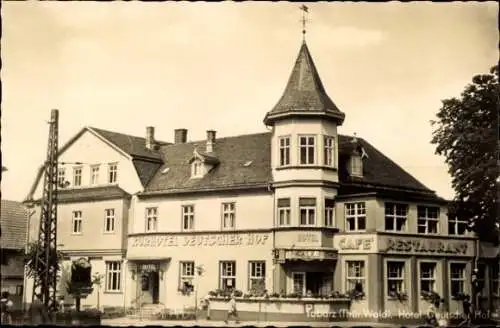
(14, 224)
(301, 209)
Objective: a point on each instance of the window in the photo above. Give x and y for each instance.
(395, 277)
(307, 209)
(428, 219)
(61, 176)
(457, 278)
(395, 216)
(257, 275)
(227, 275)
(284, 143)
(284, 211)
(77, 176)
(186, 274)
(19, 290)
(197, 169)
(456, 226)
(329, 151)
(356, 166)
(113, 276)
(188, 217)
(109, 220)
(481, 278)
(94, 178)
(112, 173)
(356, 275)
(427, 276)
(299, 283)
(355, 214)
(329, 212)
(307, 149)
(228, 216)
(495, 279)
(151, 219)
(77, 222)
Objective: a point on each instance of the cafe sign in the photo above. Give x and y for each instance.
(155, 241)
(427, 246)
(354, 244)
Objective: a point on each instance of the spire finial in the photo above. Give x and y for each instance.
(305, 10)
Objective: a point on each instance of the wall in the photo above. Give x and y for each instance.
(252, 211)
(92, 150)
(294, 128)
(243, 247)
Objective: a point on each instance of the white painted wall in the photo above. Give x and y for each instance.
(294, 128)
(93, 150)
(252, 211)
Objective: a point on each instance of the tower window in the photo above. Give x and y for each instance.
(329, 151)
(284, 144)
(307, 146)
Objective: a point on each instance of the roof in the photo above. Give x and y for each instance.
(246, 161)
(304, 94)
(13, 223)
(233, 153)
(134, 146)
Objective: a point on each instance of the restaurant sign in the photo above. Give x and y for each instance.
(426, 246)
(198, 240)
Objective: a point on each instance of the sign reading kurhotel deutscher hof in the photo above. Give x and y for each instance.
(198, 240)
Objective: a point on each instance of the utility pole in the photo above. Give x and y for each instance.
(45, 281)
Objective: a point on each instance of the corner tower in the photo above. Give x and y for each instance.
(304, 124)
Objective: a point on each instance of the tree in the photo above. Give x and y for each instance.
(467, 134)
(33, 249)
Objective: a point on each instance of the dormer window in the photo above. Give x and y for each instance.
(197, 169)
(356, 165)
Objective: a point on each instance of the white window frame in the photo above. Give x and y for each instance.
(329, 151)
(228, 213)
(284, 213)
(292, 285)
(113, 276)
(109, 220)
(187, 217)
(151, 219)
(396, 216)
(61, 176)
(461, 279)
(284, 151)
(359, 276)
(329, 213)
(186, 272)
(456, 222)
(358, 212)
(423, 221)
(197, 169)
(227, 272)
(77, 223)
(308, 209)
(77, 176)
(256, 273)
(356, 166)
(432, 278)
(307, 146)
(400, 277)
(112, 173)
(94, 175)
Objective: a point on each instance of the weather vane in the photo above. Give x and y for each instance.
(305, 10)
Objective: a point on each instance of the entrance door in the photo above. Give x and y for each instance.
(155, 287)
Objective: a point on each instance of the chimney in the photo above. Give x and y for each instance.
(210, 141)
(180, 136)
(150, 137)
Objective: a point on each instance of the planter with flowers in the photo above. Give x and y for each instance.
(400, 296)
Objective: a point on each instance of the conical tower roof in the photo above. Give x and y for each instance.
(304, 94)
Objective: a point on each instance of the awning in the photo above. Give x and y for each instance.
(148, 259)
(306, 255)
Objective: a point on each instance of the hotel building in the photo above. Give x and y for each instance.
(300, 208)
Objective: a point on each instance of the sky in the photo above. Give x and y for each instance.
(122, 66)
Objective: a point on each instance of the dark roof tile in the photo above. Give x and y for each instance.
(13, 223)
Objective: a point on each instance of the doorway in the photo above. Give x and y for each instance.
(155, 287)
